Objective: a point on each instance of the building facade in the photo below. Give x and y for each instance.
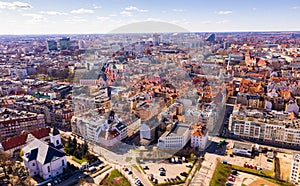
(176, 138)
(13, 122)
(295, 169)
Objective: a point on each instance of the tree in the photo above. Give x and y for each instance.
(4, 157)
(74, 143)
(69, 142)
(84, 148)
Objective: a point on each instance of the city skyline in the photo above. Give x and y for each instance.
(88, 17)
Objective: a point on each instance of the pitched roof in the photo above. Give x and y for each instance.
(41, 152)
(54, 131)
(19, 140)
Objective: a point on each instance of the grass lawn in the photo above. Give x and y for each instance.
(220, 175)
(253, 171)
(136, 167)
(80, 161)
(267, 175)
(128, 159)
(111, 179)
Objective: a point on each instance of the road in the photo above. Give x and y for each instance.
(73, 179)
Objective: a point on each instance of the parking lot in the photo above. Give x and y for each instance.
(172, 170)
(258, 161)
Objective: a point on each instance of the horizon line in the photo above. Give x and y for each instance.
(237, 31)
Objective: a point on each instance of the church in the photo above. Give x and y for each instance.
(45, 160)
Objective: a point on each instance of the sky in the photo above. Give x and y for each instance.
(102, 16)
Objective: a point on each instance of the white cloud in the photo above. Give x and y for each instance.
(295, 7)
(224, 12)
(179, 10)
(206, 22)
(102, 19)
(82, 11)
(222, 22)
(96, 6)
(133, 8)
(14, 5)
(53, 13)
(153, 19)
(75, 20)
(112, 15)
(35, 18)
(126, 14)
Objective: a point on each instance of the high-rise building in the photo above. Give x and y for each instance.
(211, 37)
(52, 45)
(156, 39)
(64, 43)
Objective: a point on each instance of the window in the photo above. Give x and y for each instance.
(33, 164)
(48, 169)
(57, 142)
(63, 162)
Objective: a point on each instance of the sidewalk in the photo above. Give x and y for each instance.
(204, 175)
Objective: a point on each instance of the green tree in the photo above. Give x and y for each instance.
(69, 142)
(85, 148)
(74, 143)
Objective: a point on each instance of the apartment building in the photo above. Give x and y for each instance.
(199, 136)
(277, 127)
(13, 122)
(295, 173)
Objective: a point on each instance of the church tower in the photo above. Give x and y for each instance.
(55, 137)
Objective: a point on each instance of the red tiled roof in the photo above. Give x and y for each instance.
(41, 133)
(21, 139)
(15, 141)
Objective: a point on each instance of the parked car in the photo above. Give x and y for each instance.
(230, 178)
(189, 166)
(92, 169)
(162, 173)
(234, 172)
(184, 174)
(162, 169)
(228, 184)
(101, 166)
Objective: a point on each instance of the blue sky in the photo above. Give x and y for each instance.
(101, 16)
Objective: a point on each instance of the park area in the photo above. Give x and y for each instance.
(115, 178)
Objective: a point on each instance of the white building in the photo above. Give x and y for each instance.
(122, 129)
(199, 136)
(294, 175)
(176, 138)
(145, 132)
(242, 149)
(43, 159)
